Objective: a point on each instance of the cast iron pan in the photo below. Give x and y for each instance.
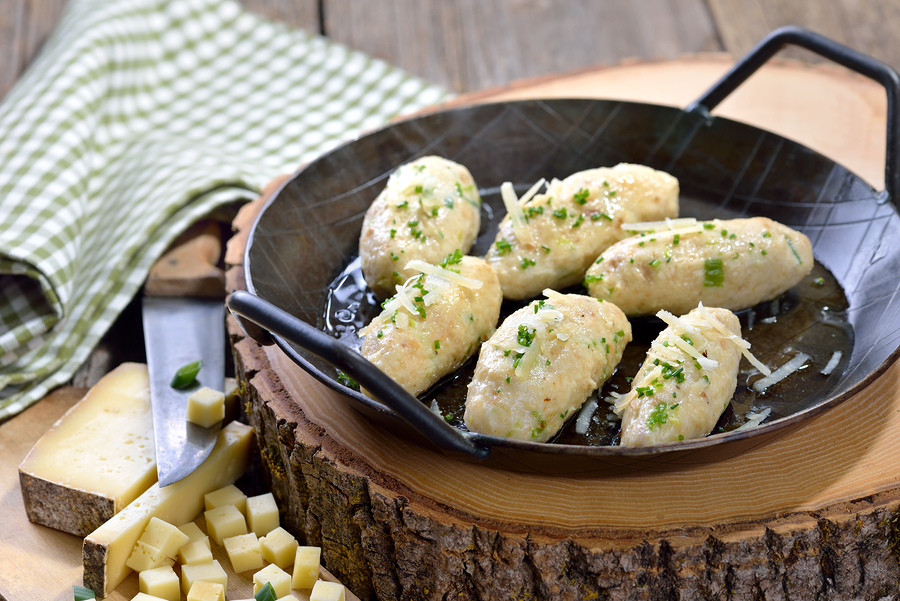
(307, 290)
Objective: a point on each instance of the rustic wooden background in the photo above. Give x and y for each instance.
(467, 45)
(470, 45)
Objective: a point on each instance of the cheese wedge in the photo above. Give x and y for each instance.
(107, 548)
(96, 459)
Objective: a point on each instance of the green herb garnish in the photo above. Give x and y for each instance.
(713, 273)
(186, 375)
(525, 336)
(581, 196)
(452, 259)
(266, 593)
(560, 213)
(590, 279)
(347, 381)
(526, 263)
(503, 246)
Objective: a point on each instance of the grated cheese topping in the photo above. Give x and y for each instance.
(445, 274)
(754, 419)
(739, 342)
(798, 362)
(668, 224)
(584, 416)
(832, 363)
(515, 212)
(659, 236)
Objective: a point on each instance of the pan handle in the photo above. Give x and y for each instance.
(847, 57)
(410, 409)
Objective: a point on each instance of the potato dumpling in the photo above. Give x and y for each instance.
(429, 208)
(687, 380)
(541, 365)
(732, 264)
(550, 240)
(435, 322)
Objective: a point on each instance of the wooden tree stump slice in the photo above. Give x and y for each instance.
(811, 513)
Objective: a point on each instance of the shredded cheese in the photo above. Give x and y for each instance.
(781, 373)
(755, 419)
(832, 363)
(676, 323)
(515, 212)
(531, 192)
(659, 236)
(584, 416)
(739, 342)
(668, 224)
(446, 274)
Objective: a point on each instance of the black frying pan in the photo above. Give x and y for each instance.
(301, 251)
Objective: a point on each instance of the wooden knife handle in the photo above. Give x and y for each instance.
(190, 266)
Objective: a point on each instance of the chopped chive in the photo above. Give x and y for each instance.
(581, 196)
(526, 263)
(437, 344)
(266, 593)
(186, 375)
(502, 246)
(713, 273)
(546, 248)
(560, 213)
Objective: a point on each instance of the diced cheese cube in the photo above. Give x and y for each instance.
(164, 536)
(146, 597)
(279, 547)
(160, 582)
(206, 591)
(96, 459)
(208, 572)
(278, 578)
(229, 495)
(196, 552)
(206, 407)
(327, 591)
(262, 514)
(244, 552)
(194, 533)
(224, 522)
(288, 598)
(106, 550)
(144, 557)
(306, 567)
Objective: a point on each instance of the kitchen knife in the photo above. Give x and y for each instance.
(178, 331)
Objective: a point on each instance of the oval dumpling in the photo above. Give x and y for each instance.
(732, 264)
(686, 381)
(552, 241)
(429, 208)
(541, 365)
(439, 323)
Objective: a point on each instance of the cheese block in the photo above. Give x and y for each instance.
(96, 459)
(107, 548)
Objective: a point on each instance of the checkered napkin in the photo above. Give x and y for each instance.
(138, 118)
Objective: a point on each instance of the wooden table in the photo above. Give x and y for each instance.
(467, 45)
(487, 44)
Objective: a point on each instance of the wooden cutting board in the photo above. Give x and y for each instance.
(837, 113)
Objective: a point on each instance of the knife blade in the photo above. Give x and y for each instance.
(178, 331)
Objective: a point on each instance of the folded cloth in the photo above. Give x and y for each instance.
(138, 118)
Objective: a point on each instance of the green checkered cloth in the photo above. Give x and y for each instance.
(138, 118)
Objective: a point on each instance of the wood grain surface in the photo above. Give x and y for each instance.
(468, 45)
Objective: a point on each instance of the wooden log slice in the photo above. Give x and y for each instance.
(813, 514)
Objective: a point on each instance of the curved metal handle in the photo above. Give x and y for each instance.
(847, 57)
(386, 390)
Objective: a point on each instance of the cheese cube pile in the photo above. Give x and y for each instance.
(228, 512)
